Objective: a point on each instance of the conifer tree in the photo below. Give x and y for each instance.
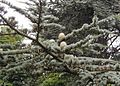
(51, 53)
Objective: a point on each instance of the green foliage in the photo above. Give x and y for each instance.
(117, 17)
(53, 79)
(10, 39)
(57, 79)
(2, 83)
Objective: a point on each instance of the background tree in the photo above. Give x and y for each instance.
(74, 13)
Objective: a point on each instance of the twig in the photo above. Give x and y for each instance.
(113, 41)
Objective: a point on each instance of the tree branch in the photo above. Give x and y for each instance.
(40, 44)
(9, 46)
(13, 52)
(20, 33)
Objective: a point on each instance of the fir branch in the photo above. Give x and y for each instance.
(53, 25)
(84, 27)
(16, 30)
(6, 46)
(24, 35)
(87, 40)
(107, 21)
(39, 44)
(13, 52)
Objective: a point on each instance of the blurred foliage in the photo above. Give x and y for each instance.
(56, 79)
(9, 39)
(117, 17)
(53, 79)
(2, 83)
